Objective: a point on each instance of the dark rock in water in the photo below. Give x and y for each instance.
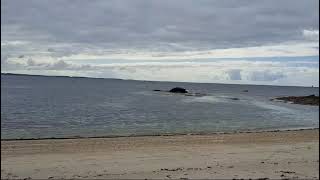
(182, 91)
(312, 95)
(178, 90)
(234, 98)
(304, 100)
(245, 91)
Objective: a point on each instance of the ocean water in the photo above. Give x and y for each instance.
(44, 107)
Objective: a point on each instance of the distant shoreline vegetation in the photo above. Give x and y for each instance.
(83, 77)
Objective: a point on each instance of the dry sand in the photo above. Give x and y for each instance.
(274, 155)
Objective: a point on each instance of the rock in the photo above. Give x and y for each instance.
(288, 172)
(234, 98)
(166, 169)
(182, 91)
(178, 90)
(304, 100)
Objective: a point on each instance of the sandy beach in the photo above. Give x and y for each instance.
(273, 155)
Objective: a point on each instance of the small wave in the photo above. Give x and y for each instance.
(265, 105)
(16, 87)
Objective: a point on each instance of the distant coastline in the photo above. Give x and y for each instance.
(83, 77)
(39, 75)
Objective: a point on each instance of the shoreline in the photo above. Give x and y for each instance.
(169, 134)
(274, 155)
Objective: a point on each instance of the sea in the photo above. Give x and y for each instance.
(66, 107)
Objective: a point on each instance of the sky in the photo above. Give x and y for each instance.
(270, 42)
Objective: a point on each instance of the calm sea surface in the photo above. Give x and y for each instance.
(42, 107)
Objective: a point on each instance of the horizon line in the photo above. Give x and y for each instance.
(87, 77)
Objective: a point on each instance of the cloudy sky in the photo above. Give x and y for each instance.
(223, 41)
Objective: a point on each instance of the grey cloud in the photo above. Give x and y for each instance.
(142, 23)
(265, 76)
(234, 74)
(52, 29)
(6, 65)
(62, 65)
(4, 61)
(31, 64)
(58, 65)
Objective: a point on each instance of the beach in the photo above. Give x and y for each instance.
(256, 155)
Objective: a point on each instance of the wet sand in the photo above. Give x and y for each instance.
(274, 155)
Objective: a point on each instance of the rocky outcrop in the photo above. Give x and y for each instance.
(181, 91)
(234, 98)
(178, 90)
(304, 100)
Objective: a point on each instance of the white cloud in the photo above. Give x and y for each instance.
(311, 35)
(13, 43)
(281, 72)
(191, 65)
(280, 50)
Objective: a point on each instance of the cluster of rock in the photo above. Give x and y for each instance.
(305, 100)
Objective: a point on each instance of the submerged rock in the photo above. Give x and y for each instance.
(178, 90)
